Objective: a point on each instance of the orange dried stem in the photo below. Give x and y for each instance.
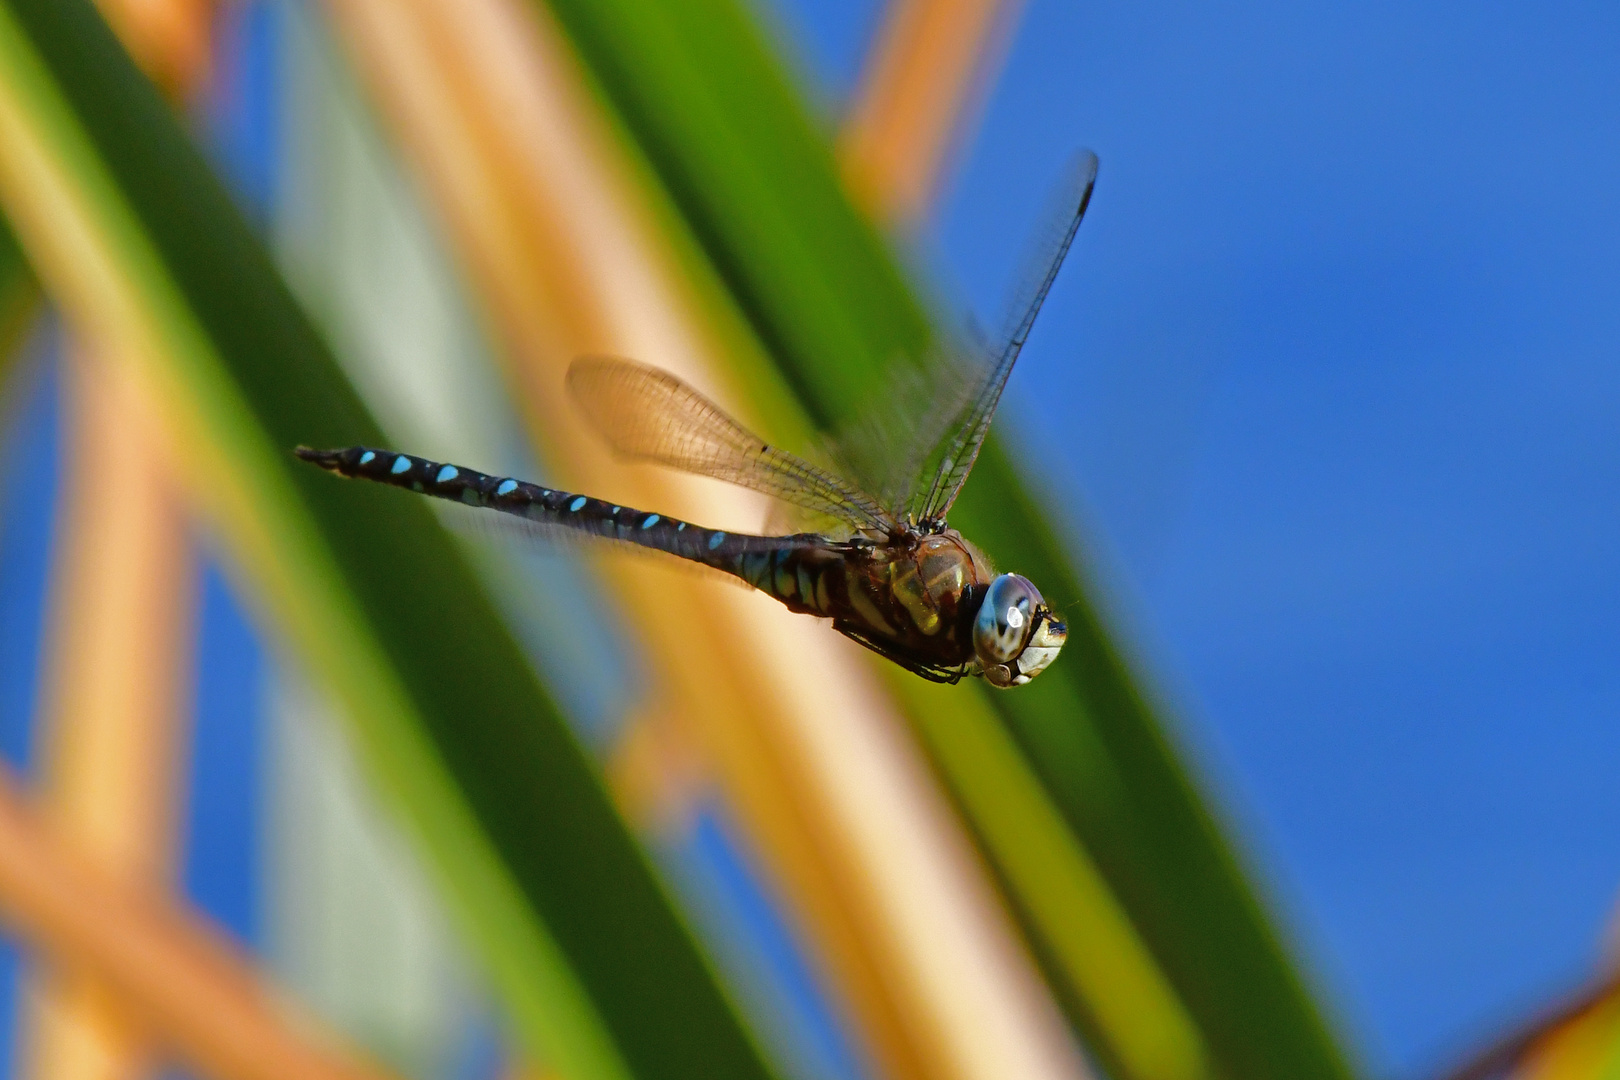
(918, 87)
(119, 652)
(184, 981)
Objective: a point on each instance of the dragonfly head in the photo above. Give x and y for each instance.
(1015, 636)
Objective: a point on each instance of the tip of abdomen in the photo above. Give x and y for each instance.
(331, 460)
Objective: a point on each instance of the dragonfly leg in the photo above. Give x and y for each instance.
(938, 673)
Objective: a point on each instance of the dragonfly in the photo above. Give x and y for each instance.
(890, 573)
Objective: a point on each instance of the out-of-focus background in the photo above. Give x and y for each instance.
(1320, 420)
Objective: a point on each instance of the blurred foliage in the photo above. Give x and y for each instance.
(596, 967)
(1098, 965)
(19, 302)
(697, 88)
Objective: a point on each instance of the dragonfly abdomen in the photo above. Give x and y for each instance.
(796, 570)
(543, 506)
(789, 568)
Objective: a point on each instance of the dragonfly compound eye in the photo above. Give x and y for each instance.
(1014, 634)
(1005, 619)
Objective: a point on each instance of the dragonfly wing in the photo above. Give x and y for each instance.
(650, 415)
(961, 449)
(893, 446)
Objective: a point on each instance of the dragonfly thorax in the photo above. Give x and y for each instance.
(933, 580)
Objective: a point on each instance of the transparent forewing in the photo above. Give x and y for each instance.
(650, 415)
(893, 446)
(962, 448)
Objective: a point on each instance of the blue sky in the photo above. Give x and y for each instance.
(1330, 386)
